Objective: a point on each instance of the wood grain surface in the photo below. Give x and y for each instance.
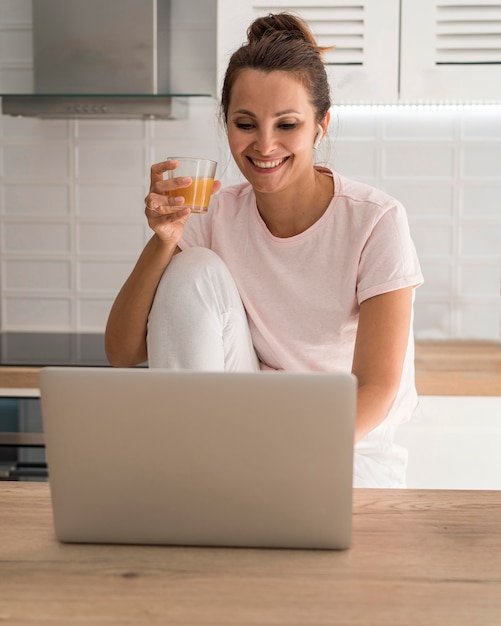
(458, 368)
(418, 557)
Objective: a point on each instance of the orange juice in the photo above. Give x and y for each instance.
(197, 195)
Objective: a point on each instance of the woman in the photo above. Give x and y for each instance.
(324, 266)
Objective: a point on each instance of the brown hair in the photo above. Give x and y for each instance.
(281, 42)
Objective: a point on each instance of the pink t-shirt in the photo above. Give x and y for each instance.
(302, 294)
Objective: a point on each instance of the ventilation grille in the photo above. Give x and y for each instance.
(342, 26)
(468, 34)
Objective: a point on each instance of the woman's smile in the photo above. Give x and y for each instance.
(268, 166)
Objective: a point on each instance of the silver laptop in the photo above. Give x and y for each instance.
(151, 456)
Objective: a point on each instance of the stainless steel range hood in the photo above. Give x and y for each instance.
(100, 59)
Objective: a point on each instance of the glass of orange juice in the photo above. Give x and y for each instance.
(202, 172)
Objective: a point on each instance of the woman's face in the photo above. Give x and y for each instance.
(271, 129)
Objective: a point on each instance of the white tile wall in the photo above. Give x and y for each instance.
(445, 167)
(71, 199)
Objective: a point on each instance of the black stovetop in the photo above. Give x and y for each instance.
(39, 349)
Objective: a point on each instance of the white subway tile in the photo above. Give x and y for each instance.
(37, 275)
(419, 125)
(479, 321)
(479, 279)
(353, 126)
(15, 11)
(36, 313)
(423, 198)
(43, 161)
(103, 130)
(36, 237)
(355, 158)
(180, 147)
(147, 233)
(486, 125)
(202, 125)
(36, 200)
(432, 240)
(111, 162)
(480, 240)
(110, 239)
(432, 319)
(416, 160)
(93, 313)
(481, 200)
(33, 129)
(481, 161)
(437, 278)
(105, 275)
(111, 200)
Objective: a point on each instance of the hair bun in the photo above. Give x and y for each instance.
(282, 24)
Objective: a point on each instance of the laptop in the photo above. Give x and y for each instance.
(163, 457)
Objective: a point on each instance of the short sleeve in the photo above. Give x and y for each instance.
(388, 260)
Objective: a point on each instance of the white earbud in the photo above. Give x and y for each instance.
(319, 137)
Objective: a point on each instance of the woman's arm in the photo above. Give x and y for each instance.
(125, 335)
(380, 347)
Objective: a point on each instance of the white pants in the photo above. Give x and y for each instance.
(198, 322)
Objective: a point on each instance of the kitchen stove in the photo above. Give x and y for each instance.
(22, 456)
(39, 349)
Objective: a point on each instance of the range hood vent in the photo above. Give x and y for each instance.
(100, 59)
(87, 106)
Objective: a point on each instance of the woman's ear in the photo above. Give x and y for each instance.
(319, 137)
(322, 130)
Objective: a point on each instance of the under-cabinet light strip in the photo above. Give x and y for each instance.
(419, 106)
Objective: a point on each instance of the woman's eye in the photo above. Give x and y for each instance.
(244, 125)
(288, 126)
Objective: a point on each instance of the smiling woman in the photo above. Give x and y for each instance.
(271, 142)
(297, 269)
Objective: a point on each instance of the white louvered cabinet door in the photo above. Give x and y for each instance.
(364, 63)
(451, 50)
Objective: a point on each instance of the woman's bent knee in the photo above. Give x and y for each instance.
(197, 320)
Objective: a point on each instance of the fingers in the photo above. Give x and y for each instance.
(158, 169)
(162, 204)
(168, 226)
(171, 216)
(157, 175)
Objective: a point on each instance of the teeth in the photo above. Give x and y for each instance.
(267, 164)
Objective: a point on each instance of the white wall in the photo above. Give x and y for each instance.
(71, 200)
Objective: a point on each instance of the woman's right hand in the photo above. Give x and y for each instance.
(162, 211)
(165, 217)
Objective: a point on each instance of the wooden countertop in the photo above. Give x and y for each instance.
(16, 379)
(418, 557)
(458, 368)
(453, 368)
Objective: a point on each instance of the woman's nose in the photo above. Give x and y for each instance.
(265, 142)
